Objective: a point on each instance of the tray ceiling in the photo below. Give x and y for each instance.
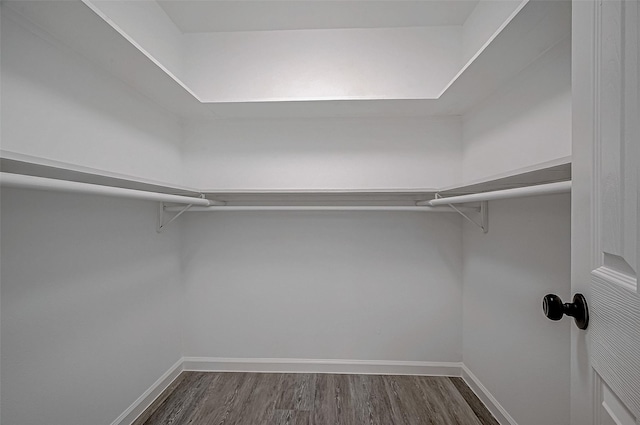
(214, 16)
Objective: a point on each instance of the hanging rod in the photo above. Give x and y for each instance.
(519, 192)
(42, 183)
(320, 208)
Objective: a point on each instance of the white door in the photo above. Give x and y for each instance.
(605, 230)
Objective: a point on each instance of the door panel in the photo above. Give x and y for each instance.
(618, 124)
(609, 409)
(615, 302)
(615, 344)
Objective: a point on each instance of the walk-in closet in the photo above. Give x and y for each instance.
(317, 212)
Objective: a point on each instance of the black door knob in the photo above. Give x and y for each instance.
(554, 309)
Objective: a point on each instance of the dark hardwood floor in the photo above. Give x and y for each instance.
(200, 398)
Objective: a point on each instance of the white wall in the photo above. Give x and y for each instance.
(346, 153)
(378, 63)
(366, 286)
(526, 122)
(89, 306)
(146, 24)
(519, 355)
(486, 18)
(89, 289)
(57, 105)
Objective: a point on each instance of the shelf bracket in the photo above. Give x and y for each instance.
(161, 224)
(162, 211)
(483, 222)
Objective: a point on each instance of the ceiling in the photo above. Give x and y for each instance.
(213, 15)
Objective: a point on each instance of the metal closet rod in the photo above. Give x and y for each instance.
(398, 208)
(519, 192)
(42, 183)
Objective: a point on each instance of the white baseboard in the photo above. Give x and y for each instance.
(367, 367)
(496, 409)
(148, 397)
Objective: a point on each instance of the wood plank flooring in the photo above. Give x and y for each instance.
(201, 398)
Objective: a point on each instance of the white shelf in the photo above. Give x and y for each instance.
(15, 163)
(553, 171)
(548, 172)
(532, 31)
